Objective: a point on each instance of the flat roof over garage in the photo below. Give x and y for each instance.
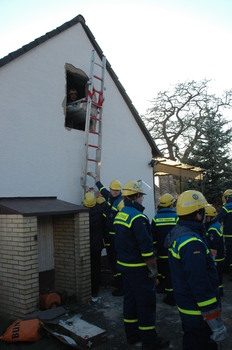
(38, 206)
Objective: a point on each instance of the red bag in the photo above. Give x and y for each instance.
(23, 330)
(49, 301)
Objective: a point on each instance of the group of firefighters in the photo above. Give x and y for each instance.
(182, 253)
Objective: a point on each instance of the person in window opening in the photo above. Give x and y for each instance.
(72, 95)
(75, 117)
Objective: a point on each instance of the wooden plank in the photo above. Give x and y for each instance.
(177, 171)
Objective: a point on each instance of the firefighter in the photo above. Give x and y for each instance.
(194, 276)
(225, 217)
(215, 240)
(114, 203)
(96, 228)
(136, 261)
(161, 224)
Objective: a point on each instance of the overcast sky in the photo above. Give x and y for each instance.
(150, 44)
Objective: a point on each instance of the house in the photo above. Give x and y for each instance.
(41, 163)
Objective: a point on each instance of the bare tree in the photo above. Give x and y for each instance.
(177, 118)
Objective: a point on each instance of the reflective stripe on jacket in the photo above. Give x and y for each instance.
(111, 208)
(133, 239)
(161, 225)
(194, 275)
(225, 217)
(215, 240)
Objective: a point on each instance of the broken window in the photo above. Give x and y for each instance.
(76, 97)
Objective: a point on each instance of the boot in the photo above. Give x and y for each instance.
(135, 341)
(117, 292)
(159, 286)
(169, 300)
(159, 343)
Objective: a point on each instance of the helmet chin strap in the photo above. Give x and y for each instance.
(133, 198)
(200, 215)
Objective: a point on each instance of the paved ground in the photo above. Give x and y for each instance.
(107, 314)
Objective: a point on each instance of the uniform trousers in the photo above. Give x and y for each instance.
(196, 334)
(139, 305)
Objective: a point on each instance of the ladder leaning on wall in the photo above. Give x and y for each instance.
(93, 124)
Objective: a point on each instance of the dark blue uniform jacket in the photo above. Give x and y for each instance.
(111, 209)
(133, 238)
(215, 240)
(161, 225)
(225, 216)
(96, 222)
(194, 275)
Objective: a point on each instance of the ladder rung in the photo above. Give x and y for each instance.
(97, 64)
(94, 146)
(96, 104)
(96, 77)
(98, 91)
(94, 118)
(92, 160)
(94, 132)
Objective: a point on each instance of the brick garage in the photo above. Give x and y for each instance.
(22, 222)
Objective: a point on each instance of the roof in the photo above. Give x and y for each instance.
(80, 19)
(38, 206)
(164, 166)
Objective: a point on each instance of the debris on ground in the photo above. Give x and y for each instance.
(106, 314)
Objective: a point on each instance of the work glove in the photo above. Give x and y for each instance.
(214, 321)
(214, 253)
(152, 267)
(94, 176)
(153, 271)
(91, 174)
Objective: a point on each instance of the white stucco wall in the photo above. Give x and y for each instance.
(39, 156)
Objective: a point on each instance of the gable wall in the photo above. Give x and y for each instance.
(41, 157)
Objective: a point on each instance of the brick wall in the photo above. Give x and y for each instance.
(19, 281)
(63, 230)
(72, 255)
(82, 257)
(19, 274)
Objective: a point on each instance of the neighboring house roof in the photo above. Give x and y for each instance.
(38, 206)
(165, 166)
(80, 19)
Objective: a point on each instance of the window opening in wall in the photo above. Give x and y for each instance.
(76, 98)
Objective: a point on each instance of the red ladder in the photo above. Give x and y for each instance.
(93, 123)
